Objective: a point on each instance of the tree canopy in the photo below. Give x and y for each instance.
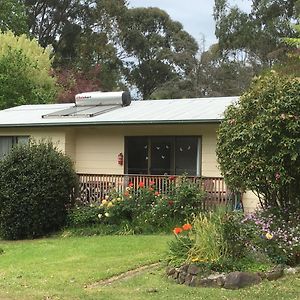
(13, 16)
(24, 72)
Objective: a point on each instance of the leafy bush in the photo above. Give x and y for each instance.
(148, 210)
(83, 216)
(258, 142)
(37, 185)
(279, 238)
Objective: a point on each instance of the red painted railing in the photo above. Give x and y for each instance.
(95, 187)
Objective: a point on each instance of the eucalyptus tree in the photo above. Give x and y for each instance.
(157, 49)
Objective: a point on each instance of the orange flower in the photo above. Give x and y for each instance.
(151, 189)
(187, 226)
(177, 230)
(126, 194)
(141, 184)
(130, 184)
(156, 193)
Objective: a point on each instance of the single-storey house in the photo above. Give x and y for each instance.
(108, 135)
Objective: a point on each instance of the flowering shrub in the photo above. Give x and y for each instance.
(181, 245)
(146, 208)
(279, 238)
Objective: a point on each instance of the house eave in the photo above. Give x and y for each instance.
(112, 123)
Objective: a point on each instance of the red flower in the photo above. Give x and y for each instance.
(171, 202)
(156, 193)
(151, 189)
(151, 182)
(187, 226)
(126, 194)
(177, 230)
(130, 184)
(141, 184)
(171, 178)
(277, 176)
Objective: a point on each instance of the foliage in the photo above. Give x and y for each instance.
(24, 72)
(148, 210)
(277, 237)
(258, 33)
(209, 244)
(13, 16)
(155, 44)
(72, 82)
(37, 185)
(181, 245)
(258, 142)
(84, 216)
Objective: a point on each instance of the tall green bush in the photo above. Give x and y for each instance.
(37, 185)
(259, 142)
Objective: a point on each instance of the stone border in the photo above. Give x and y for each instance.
(188, 274)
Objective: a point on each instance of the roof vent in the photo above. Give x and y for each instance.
(103, 98)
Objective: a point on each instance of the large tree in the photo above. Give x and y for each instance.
(158, 49)
(24, 72)
(258, 33)
(13, 16)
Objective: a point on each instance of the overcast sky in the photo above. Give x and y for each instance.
(195, 15)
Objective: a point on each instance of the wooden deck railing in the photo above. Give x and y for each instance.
(94, 187)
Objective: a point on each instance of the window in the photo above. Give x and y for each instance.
(163, 155)
(7, 142)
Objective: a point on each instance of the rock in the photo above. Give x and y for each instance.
(237, 280)
(184, 268)
(213, 281)
(175, 274)
(262, 275)
(170, 271)
(290, 270)
(193, 269)
(181, 277)
(188, 279)
(195, 281)
(275, 273)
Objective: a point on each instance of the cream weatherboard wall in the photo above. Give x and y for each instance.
(94, 149)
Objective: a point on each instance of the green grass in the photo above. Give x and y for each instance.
(60, 268)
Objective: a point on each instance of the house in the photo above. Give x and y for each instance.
(107, 135)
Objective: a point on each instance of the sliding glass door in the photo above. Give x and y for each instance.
(163, 155)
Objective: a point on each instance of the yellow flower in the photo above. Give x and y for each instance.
(109, 204)
(269, 236)
(104, 202)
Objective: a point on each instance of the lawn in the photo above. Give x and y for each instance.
(60, 268)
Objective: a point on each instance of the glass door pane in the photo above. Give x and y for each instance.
(186, 152)
(162, 157)
(137, 155)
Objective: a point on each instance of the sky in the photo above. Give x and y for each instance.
(196, 16)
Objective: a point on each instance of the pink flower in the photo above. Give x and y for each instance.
(141, 184)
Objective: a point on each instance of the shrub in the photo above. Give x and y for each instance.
(37, 185)
(148, 210)
(279, 238)
(84, 216)
(258, 142)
